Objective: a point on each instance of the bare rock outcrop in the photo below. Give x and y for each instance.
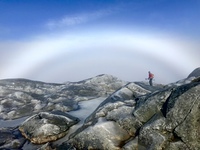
(45, 127)
(11, 138)
(135, 117)
(112, 123)
(195, 73)
(23, 97)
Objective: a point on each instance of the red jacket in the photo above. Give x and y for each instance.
(151, 75)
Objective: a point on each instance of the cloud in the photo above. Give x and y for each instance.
(81, 18)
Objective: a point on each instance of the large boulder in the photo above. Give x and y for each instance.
(183, 119)
(176, 126)
(112, 123)
(45, 127)
(135, 117)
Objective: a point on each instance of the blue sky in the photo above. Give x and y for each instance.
(71, 40)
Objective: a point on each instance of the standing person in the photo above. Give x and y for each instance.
(150, 78)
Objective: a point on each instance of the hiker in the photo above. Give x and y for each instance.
(150, 78)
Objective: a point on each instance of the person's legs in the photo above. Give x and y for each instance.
(150, 82)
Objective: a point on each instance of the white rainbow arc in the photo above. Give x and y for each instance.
(33, 54)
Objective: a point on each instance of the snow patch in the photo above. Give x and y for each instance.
(47, 129)
(39, 106)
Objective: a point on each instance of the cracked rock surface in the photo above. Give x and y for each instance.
(46, 127)
(139, 117)
(134, 116)
(22, 97)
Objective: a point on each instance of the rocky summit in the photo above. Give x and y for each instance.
(133, 116)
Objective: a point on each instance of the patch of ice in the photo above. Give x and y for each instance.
(86, 108)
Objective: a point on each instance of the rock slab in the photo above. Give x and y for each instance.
(46, 127)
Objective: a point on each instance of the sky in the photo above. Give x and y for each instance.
(72, 40)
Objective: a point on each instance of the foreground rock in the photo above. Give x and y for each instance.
(176, 126)
(112, 124)
(45, 127)
(11, 138)
(138, 118)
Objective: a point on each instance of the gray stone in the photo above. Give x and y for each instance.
(11, 138)
(153, 135)
(195, 73)
(176, 145)
(104, 135)
(150, 105)
(180, 104)
(22, 97)
(112, 123)
(188, 130)
(45, 127)
(46, 146)
(131, 144)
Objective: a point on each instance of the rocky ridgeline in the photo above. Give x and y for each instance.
(134, 117)
(21, 97)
